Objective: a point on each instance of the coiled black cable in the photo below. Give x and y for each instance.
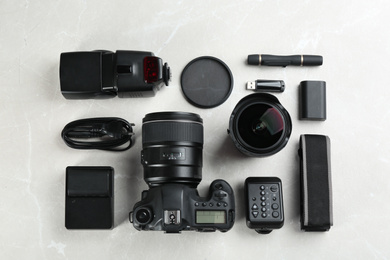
(109, 133)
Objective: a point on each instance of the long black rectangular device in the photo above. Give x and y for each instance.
(316, 183)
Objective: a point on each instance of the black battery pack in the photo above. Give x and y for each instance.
(316, 183)
(89, 197)
(312, 100)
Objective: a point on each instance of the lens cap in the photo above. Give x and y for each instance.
(206, 82)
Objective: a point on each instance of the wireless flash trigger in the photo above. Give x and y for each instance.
(264, 204)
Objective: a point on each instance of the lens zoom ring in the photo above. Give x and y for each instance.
(157, 132)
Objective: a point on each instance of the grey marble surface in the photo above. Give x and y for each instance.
(352, 36)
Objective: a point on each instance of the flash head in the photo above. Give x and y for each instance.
(105, 74)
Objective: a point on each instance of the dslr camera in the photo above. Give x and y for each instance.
(105, 74)
(172, 160)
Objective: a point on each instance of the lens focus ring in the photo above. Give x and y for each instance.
(172, 131)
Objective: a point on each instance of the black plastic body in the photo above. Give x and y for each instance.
(312, 100)
(173, 207)
(252, 100)
(264, 204)
(105, 74)
(89, 197)
(316, 183)
(283, 61)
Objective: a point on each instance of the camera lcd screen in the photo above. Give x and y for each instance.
(210, 217)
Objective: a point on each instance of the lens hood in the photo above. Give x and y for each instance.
(259, 125)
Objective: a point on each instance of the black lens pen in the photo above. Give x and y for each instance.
(277, 60)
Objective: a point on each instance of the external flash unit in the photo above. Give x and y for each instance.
(105, 74)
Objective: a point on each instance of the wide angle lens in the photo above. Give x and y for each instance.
(259, 125)
(172, 148)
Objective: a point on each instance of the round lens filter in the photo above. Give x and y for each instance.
(206, 82)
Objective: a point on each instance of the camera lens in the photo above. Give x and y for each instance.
(172, 148)
(143, 216)
(259, 125)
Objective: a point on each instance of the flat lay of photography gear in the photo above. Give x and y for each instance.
(259, 126)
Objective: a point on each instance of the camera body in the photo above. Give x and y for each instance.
(174, 207)
(105, 74)
(172, 158)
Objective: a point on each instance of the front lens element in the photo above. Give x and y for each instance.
(260, 125)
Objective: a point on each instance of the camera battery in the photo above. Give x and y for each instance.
(312, 100)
